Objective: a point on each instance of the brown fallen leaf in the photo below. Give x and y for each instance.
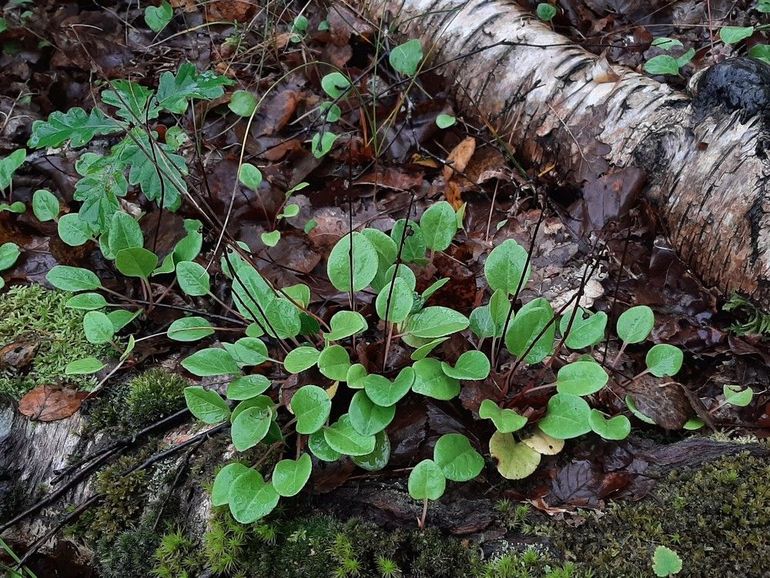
(455, 163)
(230, 10)
(18, 355)
(48, 403)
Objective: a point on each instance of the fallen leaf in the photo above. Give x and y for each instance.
(18, 355)
(46, 403)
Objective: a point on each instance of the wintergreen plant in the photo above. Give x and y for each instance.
(281, 329)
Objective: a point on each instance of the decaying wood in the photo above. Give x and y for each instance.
(557, 104)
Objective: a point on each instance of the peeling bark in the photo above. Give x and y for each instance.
(708, 179)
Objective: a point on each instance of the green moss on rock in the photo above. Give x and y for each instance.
(147, 398)
(716, 518)
(33, 314)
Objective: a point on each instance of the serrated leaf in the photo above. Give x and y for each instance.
(135, 104)
(176, 90)
(76, 126)
(8, 166)
(157, 169)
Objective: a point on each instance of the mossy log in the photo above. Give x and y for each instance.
(558, 104)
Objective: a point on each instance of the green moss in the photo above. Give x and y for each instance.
(717, 519)
(320, 546)
(147, 398)
(127, 555)
(32, 313)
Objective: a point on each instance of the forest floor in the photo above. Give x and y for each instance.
(693, 475)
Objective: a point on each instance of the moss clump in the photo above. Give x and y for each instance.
(717, 519)
(319, 546)
(147, 398)
(127, 555)
(34, 314)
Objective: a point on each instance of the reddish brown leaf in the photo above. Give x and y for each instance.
(46, 403)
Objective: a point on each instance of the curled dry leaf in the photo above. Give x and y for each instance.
(18, 355)
(455, 163)
(47, 403)
(661, 400)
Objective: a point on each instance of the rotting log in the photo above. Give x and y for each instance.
(558, 104)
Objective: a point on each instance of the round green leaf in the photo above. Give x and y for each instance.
(87, 302)
(316, 442)
(367, 418)
(322, 143)
(426, 481)
(73, 230)
(284, 318)
(566, 418)
(481, 323)
(250, 176)
(206, 405)
(98, 328)
(635, 324)
(247, 351)
(400, 271)
(209, 362)
(737, 397)
(631, 405)
(344, 324)
(431, 381)
(300, 359)
(45, 205)
(364, 263)
(342, 437)
(334, 362)
(528, 323)
(73, 279)
(616, 428)
(436, 321)
(242, 103)
(405, 58)
(471, 365)
(251, 498)
(356, 376)
(666, 562)
(335, 84)
(414, 247)
(379, 458)
(445, 121)
(385, 393)
(271, 239)
(439, 225)
(189, 329)
(734, 34)
(424, 350)
(456, 457)
(587, 329)
(581, 378)
(193, 278)
(505, 267)
(395, 304)
(664, 360)
(136, 262)
(85, 366)
(250, 427)
(9, 253)
(158, 17)
(546, 12)
(515, 461)
(262, 402)
(662, 64)
(505, 420)
(290, 476)
(225, 477)
(125, 233)
(311, 406)
(247, 386)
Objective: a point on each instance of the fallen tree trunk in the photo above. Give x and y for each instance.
(550, 98)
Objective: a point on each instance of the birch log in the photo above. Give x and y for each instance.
(708, 179)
